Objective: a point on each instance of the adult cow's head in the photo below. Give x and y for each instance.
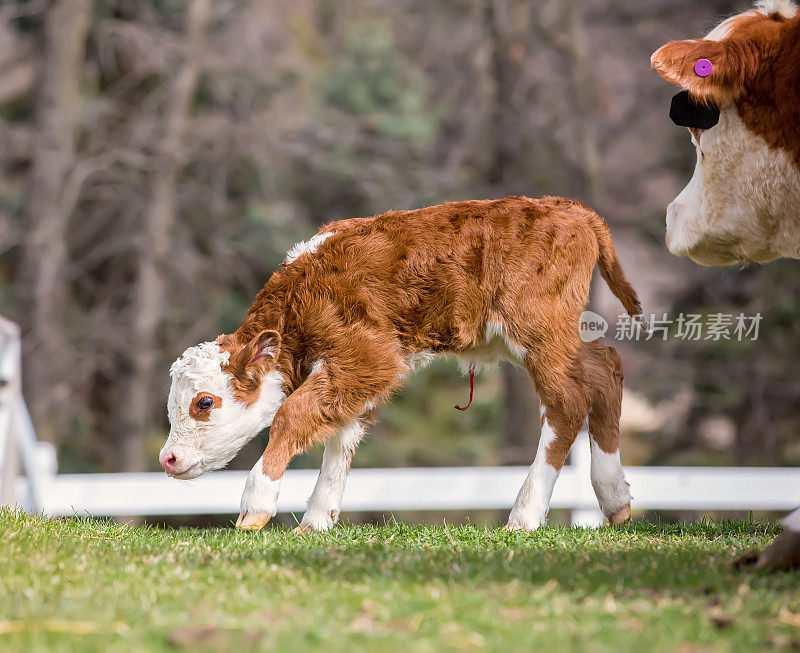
(743, 201)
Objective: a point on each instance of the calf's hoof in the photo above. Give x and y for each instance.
(252, 521)
(783, 554)
(516, 523)
(621, 516)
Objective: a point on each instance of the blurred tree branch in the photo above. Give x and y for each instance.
(42, 287)
(155, 243)
(519, 397)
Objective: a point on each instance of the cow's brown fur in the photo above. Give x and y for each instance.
(605, 369)
(380, 290)
(248, 363)
(770, 105)
(756, 66)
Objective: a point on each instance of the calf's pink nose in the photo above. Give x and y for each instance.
(167, 461)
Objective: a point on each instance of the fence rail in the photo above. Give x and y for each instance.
(40, 489)
(447, 488)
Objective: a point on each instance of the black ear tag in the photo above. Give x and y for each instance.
(685, 111)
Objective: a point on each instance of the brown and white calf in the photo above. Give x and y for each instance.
(365, 302)
(743, 201)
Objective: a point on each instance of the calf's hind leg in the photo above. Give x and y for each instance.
(565, 395)
(604, 369)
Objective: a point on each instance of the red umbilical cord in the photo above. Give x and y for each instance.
(471, 387)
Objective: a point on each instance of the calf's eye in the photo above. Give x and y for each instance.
(204, 403)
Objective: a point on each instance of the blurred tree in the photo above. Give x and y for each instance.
(560, 24)
(744, 380)
(44, 270)
(154, 242)
(522, 423)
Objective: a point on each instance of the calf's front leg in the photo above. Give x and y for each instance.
(299, 423)
(326, 499)
(260, 498)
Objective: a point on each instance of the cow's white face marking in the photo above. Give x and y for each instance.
(307, 246)
(202, 445)
(742, 201)
(740, 204)
(786, 8)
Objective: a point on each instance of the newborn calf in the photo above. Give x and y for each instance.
(365, 302)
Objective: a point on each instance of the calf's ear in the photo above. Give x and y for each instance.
(248, 363)
(712, 71)
(265, 345)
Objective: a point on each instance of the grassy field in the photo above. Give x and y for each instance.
(92, 585)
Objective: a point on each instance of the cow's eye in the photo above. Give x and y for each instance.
(204, 403)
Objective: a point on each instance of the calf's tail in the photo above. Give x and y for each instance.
(611, 270)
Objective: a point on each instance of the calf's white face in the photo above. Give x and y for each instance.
(209, 420)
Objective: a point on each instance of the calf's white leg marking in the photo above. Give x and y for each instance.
(608, 481)
(533, 501)
(326, 499)
(260, 499)
(792, 522)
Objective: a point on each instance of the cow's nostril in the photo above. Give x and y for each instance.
(168, 462)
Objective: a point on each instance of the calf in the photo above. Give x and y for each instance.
(365, 302)
(741, 102)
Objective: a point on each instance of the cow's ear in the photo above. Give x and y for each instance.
(265, 345)
(712, 71)
(250, 361)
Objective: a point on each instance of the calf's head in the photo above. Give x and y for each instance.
(223, 393)
(741, 202)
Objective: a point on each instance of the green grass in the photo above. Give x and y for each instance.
(92, 585)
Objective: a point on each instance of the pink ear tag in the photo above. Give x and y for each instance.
(703, 68)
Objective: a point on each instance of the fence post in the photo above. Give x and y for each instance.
(580, 460)
(18, 441)
(9, 387)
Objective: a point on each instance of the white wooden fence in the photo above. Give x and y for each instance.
(39, 489)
